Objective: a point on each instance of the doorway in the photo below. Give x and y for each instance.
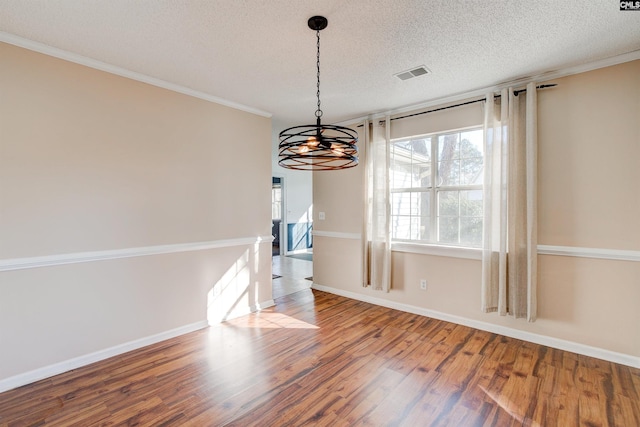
(276, 216)
(292, 271)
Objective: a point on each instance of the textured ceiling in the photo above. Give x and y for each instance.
(261, 53)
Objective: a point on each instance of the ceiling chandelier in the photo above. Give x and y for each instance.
(318, 147)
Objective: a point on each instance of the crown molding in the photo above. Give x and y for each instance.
(523, 81)
(122, 72)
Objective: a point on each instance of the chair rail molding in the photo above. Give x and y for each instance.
(471, 253)
(336, 234)
(598, 253)
(72, 258)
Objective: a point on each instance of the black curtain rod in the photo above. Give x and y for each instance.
(515, 92)
(441, 108)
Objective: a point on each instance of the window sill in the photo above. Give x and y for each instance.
(437, 250)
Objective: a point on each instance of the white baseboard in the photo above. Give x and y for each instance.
(78, 362)
(599, 353)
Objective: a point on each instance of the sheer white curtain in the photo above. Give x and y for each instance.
(376, 236)
(509, 258)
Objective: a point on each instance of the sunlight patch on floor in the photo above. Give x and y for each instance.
(270, 321)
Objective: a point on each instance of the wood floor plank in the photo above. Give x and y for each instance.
(367, 398)
(324, 360)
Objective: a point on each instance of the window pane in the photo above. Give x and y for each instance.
(420, 224)
(471, 171)
(420, 228)
(471, 203)
(471, 218)
(420, 203)
(448, 156)
(415, 228)
(448, 230)
(448, 203)
(410, 215)
(471, 153)
(471, 144)
(411, 163)
(400, 175)
(400, 203)
(448, 212)
(421, 161)
(421, 175)
(401, 227)
(421, 150)
(448, 146)
(276, 203)
(449, 172)
(471, 232)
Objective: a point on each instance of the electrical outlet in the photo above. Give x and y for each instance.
(321, 216)
(423, 284)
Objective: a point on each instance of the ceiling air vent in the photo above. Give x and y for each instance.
(416, 72)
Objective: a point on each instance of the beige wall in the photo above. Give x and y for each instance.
(90, 161)
(589, 146)
(589, 151)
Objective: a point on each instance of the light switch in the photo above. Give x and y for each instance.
(321, 215)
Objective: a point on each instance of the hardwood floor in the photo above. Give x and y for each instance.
(323, 360)
(293, 275)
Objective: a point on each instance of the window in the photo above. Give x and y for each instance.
(276, 201)
(436, 188)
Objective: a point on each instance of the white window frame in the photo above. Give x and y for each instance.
(434, 247)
